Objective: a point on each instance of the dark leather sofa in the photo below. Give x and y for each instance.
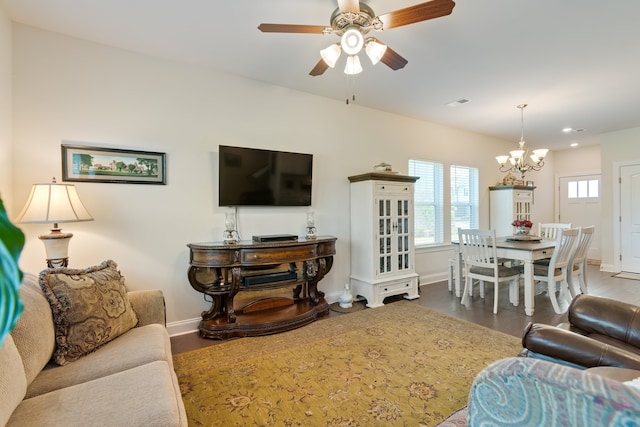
(599, 332)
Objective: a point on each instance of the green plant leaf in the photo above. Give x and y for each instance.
(11, 244)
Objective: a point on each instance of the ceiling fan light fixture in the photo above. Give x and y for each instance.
(375, 50)
(352, 41)
(331, 54)
(353, 65)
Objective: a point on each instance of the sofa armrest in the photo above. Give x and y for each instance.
(558, 343)
(608, 317)
(149, 306)
(530, 392)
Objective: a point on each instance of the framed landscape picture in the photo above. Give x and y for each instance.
(97, 164)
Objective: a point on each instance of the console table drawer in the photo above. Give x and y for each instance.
(212, 257)
(278, 255)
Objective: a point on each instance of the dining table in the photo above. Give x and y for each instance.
(523, 250)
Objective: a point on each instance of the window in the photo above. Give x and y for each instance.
(428, 202)
(464, 198)
(583, 189)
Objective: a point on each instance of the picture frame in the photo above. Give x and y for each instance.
(83, 163)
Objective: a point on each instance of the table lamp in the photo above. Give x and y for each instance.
(54, 203)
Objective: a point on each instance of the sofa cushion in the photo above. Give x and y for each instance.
(147, 395)
(90, 308)
(137, 347)
(33, 333)
(13, 383)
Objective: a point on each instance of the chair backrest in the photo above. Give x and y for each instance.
(478, 248)
(584, 242)
(566, 243)
(549, 230)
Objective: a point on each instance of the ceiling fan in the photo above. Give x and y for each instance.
(353, 21)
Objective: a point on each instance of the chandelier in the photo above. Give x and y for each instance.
(519, 161)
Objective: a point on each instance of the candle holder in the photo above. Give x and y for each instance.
(311, 228)
(230, 235)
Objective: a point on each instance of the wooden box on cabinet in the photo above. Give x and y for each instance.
(507, 203)
(382, 237)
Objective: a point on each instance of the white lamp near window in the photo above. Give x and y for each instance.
(54, 203)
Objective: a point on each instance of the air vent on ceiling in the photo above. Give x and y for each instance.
(457, 102)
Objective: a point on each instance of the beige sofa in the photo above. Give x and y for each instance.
(129, 381)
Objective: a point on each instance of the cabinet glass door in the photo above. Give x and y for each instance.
(403, 234)
(385, 224)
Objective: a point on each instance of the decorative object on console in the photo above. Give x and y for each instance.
(352, 21)
(523, 226)
(230, 235)
(311, 225)
(54, 203)
(518, 158)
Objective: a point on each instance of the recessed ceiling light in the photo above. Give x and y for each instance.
(567, 130)
(574, 144)
(457, 102)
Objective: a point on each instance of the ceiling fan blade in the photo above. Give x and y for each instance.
(349, 6)
(393, 60)
(291, 28)
(417, 13)
(319, 69)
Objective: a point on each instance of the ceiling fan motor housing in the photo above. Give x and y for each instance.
(365, 20)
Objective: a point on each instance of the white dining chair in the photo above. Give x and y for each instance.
(555, 273)
(481, 263)
(549, 230)
(578, 262)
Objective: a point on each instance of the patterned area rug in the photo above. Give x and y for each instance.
(401, 364)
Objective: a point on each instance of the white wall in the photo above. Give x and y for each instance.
(6, 187)
(69, 89)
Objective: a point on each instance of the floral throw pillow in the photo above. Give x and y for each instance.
(90, 308)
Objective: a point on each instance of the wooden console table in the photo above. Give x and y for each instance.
(221, 270)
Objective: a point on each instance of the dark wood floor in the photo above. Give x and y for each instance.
(510, 320)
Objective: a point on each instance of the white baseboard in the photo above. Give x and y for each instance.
(182, 327)
(433, 278)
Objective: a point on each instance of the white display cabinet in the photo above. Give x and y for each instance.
(507, 203)
(382, 237)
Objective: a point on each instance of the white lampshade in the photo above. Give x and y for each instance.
(352, 41)
(52, 204)
(517, 154)
(540, 153)
(375, 51)
(353, 65)
(331, 54)
(502, 159)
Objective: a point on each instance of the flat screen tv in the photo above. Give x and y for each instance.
(254, 177)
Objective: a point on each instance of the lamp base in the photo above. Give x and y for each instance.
(58, 262)
(56, 245)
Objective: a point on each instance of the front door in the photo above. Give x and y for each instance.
(630, 218)
(580, 205)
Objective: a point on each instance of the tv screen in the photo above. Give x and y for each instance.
(254, 177)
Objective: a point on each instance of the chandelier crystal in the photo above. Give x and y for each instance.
(520, 161)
